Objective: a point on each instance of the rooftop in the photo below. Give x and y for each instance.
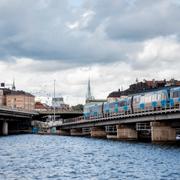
(10, 92)
(140, 87)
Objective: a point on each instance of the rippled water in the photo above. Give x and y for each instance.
(26, 157)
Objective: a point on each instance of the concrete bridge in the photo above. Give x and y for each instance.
(59, 114)
(13, 120)
(157, 125)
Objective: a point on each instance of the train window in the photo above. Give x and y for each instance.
(111, 105)
(176, 94)
(142, 100)
(147, 98)
(150, 98)
(122, 103)
(154, 97)
(136, 99)
(162, 96)
(158, 97)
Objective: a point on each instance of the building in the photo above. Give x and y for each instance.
(89, 96)
(41, 106)
(58, 104)
(21, 100)
(90, 99)
(140, 87)
(16, 99)
(3, 93)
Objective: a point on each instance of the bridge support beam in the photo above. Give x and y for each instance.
(5, 129)
(76, 132)
(64, 132)
(162, 132)
(86, 131)
(126, 133)
(98, 132)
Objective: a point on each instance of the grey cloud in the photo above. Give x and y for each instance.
(137, 20)
(38, 29)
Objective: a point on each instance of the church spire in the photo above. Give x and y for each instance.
(89, 95)
(13, 85)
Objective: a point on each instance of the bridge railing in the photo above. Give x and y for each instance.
(137, 111)
(16, 109)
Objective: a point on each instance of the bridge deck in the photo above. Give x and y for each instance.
(14, 112)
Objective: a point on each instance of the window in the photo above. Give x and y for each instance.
(122, 103)
(142, 99)
(111, 105)
(136, 99)
(176, 94)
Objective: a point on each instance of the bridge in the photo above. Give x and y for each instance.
(14, 120)
(158, 125)
(59, 114)
(8, 113)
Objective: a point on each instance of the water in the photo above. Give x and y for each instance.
(25, 157)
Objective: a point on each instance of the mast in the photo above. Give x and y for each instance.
(54, 100)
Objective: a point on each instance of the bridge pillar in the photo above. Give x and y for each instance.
(76, 132)
(98, 132)
(5, 129)
(126, 133)
(86, 131)
(64, 132)
(161, 132)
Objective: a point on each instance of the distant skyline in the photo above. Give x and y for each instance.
(66, 40)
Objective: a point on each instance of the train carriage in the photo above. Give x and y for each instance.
(120, 106)
(150, 100)
(93, 110)
(175, 97)
(147, 101)
(124, 105)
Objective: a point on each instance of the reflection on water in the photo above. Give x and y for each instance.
(57, 157)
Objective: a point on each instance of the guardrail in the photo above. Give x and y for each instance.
(6, 108)
(125, 114)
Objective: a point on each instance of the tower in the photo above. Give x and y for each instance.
(89, 95)
(13, 85)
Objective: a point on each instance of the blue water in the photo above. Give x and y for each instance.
(25, 157)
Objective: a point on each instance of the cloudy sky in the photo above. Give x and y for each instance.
(114, 42)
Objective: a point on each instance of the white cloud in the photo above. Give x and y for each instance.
(159, 53)
(119, 41)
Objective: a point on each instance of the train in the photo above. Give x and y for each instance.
(167, 97)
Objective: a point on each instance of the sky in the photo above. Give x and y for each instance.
(112, 42)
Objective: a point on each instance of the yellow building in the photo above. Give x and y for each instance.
(21, 100)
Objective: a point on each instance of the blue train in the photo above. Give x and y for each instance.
(167, 97)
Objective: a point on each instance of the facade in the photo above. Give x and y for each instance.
(58, 104)
(20, 99)
(2, 98)
(41, 106)
(16, 99)
(3, 93)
